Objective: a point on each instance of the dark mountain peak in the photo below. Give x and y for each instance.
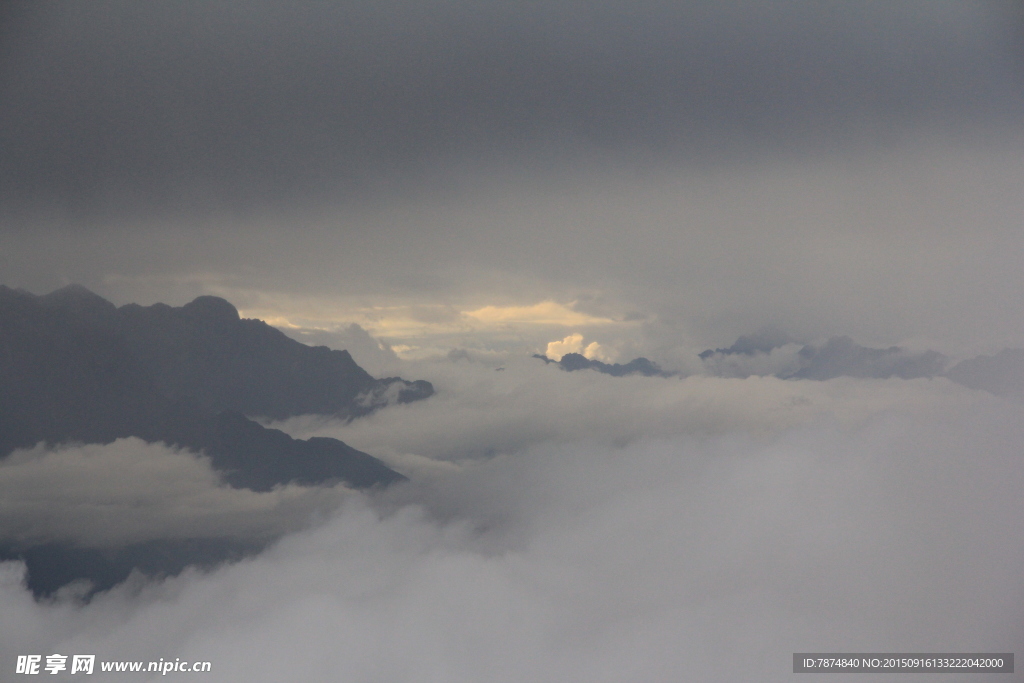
(201, 353)
(575, 361)
(79, 301)
(9, 295)
(74, 291)
(212, 308)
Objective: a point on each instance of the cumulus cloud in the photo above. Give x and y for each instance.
(571, 344)
(131, 491)
(679, 558)
(574, 344)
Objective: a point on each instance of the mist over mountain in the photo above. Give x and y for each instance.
(637, 366)
(78, 369)
(773, 352)
(75, 368)
(763, 341)
(1001, 374)
(841, 356)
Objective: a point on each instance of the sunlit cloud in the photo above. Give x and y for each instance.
(419, 330)
(543, 313)
(574, 344)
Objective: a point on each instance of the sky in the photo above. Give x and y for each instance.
(660, 177)
(446, 188)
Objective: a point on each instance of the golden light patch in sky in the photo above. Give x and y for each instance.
(414, 320)
(543, 313)
(380, 321)
(419, 329)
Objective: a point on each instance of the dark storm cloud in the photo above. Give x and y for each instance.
(121, 107)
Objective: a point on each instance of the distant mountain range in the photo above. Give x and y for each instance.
(1001, 374)
(76, 368)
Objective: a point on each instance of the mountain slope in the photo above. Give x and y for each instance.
(204, 352)
(75, 368)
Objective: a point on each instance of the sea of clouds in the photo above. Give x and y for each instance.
(579, 527)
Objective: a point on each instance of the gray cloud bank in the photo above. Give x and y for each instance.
(668, 559)
(478, 413)
(128, 108)
(130, 491)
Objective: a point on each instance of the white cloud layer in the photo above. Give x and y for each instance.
(131, 491)
(624, 529)
(670, 559)
(478, 412)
